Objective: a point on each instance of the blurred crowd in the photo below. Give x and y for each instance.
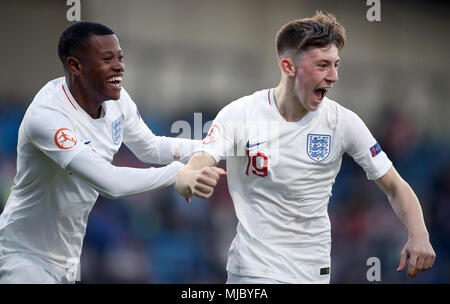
(158, 237)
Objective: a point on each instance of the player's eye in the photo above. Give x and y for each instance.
(107, 58)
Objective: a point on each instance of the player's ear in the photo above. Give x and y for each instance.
(287, 67)
(73, 65)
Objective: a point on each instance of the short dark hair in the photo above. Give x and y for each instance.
(75, 37)
(318, 31)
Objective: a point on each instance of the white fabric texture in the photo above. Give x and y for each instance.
(108, 180)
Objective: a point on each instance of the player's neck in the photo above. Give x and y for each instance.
(89, 103)
(289, 106)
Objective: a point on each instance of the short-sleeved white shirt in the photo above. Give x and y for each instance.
(280, 176)
(47, 211)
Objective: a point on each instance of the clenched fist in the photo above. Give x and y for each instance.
(198, 183)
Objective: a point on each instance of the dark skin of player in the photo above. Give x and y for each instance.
(89, 69)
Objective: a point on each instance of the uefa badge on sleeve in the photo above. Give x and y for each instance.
(375, 149)
(318, 146)
(213, 134)
(117, 130)
(65, 139)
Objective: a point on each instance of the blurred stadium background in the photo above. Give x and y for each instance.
(196, 56)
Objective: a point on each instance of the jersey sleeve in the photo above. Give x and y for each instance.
(359, 143)
(108, 179)
(136, 133)
(220, 139)
(54, 134)
(148, 147)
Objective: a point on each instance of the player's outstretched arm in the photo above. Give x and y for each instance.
(407, 208)
(199, 176)
(162, 150)
(115, 182)
(174, 148)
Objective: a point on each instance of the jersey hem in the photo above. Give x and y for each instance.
(260, 274)
(248, 272)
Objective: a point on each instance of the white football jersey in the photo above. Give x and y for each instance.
(47, 211)
(280, 176)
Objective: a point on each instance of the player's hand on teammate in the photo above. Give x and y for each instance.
(198, 183)
(420, 254)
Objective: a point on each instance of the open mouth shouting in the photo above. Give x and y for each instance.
(319, 94)
(115, 81)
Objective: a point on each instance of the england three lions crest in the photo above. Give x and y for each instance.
(318, 146)
(117, 128)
